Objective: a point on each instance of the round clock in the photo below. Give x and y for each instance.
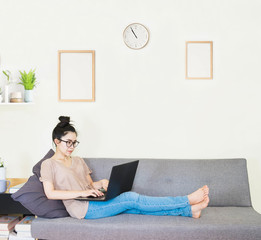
(136, 36)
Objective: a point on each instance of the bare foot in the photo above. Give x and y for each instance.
(197, 208)
(198, 196)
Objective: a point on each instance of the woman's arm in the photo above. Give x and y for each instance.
(99, 184)
(51, 193)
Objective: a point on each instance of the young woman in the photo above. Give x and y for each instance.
(65, 177)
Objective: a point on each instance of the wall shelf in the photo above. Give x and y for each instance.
(22, 104)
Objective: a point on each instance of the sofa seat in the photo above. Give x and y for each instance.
(216, 223)
(230, 214)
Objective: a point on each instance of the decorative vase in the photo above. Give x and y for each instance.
(7, 93)
(2, 173)
(28, 95)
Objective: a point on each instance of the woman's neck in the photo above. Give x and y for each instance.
(61, 157)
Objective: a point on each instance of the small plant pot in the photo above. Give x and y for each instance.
(2, 173)
(28, 96)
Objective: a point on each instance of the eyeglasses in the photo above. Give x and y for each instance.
(70, 143)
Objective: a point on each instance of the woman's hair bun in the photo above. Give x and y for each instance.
(64, 121)
(62, 128)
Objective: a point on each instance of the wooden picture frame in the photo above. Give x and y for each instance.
(76, 75)
(199, 60)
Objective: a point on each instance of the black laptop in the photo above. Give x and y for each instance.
(121, 180)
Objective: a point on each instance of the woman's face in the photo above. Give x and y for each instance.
(66, 144)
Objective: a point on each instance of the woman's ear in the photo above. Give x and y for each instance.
(56, 141)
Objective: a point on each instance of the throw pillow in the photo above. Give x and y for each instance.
(37, 166)
(32, 196)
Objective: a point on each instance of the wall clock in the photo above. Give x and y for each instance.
(136, 36)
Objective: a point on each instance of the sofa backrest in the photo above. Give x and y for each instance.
(226, 178)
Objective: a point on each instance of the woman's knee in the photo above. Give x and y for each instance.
(130, 196)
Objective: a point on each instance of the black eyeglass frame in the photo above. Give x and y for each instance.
(74, 144)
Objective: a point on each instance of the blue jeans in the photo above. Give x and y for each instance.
(131, 202)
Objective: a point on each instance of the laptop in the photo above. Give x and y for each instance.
(121, 180)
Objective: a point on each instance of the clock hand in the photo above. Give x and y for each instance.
(133, 32)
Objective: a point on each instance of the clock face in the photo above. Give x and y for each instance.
(136, 36)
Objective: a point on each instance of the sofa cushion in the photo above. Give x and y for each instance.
(216, 223)
(32, 196)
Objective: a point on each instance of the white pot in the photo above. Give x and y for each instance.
(28, 95)
(1, 98)
(2, 173)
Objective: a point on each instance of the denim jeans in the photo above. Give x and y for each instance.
(131, 202)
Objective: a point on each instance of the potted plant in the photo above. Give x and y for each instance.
(28, 80)
(2, 169)
(8, 75)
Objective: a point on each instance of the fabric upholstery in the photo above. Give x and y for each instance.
(230, 215)
(32, 196)
(37, 166)
(226, 178)
(216, 223)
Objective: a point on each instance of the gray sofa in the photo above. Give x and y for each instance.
(230, 214)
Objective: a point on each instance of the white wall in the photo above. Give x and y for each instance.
(144, 106)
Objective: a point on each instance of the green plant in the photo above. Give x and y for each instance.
(7, 74)
(28, 80)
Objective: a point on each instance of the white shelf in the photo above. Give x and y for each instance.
(23, 103)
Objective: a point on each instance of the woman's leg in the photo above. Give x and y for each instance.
(189, 211)
(143, 204)
(185, 212)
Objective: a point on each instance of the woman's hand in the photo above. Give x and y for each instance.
(65, 195)
(104, 183)
(91, 192)
(101, 184)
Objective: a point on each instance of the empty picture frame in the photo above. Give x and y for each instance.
(76, 75)
(199, 60)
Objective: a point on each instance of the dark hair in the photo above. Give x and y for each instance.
(63, 127)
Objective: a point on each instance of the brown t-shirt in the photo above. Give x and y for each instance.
(68, 178)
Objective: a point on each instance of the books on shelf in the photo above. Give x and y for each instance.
(5, 233)
(25, 224)
(15, 188)
(11, 227)
(7, 223)
(4, 238)
(23, 229)
(13, 236)
(24, 234)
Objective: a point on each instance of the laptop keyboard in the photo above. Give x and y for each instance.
(90, 198)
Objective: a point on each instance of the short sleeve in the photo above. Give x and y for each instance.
(46, 171)
(86, 169)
